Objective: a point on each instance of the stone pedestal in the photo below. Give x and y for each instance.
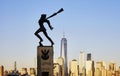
(44, 61)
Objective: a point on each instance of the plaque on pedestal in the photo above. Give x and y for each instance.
(44, 61)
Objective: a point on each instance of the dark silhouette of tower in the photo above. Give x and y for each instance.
(63, 54)
(15, 67)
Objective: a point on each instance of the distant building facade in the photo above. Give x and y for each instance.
(1, 70)
(73, 67)
(112, 69)
(100, 69)
(24, 72)
(90, 70)
(60, 60)
(81, 64)
(32, 72)
(56, 70)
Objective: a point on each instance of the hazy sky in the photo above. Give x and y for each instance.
(92, 26)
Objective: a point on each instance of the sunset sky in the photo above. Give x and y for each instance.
(92, 26)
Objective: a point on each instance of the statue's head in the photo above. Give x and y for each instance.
(43, 16)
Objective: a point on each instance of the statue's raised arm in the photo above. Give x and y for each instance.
(59, 11)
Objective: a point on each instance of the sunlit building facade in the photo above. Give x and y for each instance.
(112, 68)
(24, 71)
(1, 70)
(100, 69)
(32, 72)
(81, 64)
(90, 68)
(56, 70)
(73, 68)
(108, 73)
(97, 72)
(60, 61)
(119, 70)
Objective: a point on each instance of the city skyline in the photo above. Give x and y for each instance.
(91, 68)
(91, 26)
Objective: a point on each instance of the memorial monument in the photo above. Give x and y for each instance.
(45, 53)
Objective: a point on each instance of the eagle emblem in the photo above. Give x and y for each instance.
(45, 55)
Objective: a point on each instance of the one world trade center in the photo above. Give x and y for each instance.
(63, 53)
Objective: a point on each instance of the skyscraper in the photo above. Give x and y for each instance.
(89, 66)
(81, 64)
(63, 53)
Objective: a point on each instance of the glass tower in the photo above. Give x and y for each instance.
(63, 53)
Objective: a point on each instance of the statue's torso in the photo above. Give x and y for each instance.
(41, 22)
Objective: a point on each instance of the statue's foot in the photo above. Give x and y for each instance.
(41, 40)
(52, 44)
(40, 44)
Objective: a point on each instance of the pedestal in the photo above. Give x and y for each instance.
(44, 61)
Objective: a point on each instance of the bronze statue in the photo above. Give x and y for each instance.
(41, 21)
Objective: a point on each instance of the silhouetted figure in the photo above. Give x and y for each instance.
(41, 21)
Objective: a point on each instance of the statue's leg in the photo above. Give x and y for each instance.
(36, 33)
(45, 33)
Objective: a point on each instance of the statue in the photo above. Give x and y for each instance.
(41, 21)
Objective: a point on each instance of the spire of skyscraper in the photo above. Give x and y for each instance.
(63, 34)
